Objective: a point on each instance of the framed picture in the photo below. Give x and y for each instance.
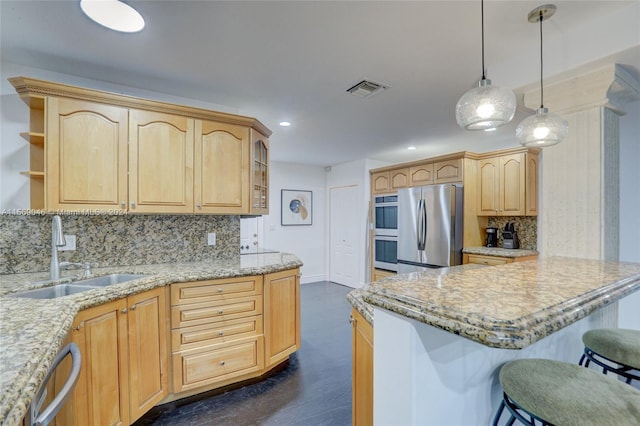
(297, 207)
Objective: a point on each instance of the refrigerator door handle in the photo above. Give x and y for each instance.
(422, 225)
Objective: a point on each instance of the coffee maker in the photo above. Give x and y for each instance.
(510, 237)
(492, 237)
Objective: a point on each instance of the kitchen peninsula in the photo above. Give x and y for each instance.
(440, 339)
(32, 331)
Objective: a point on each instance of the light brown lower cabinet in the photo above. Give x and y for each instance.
(281, 315)
(362, 370)
(228, 330)
(124, 361)
(214, 333)
(378, 274)
(493, 260)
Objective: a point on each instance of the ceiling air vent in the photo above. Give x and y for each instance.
(366, 88)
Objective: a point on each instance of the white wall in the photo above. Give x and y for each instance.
(306, 242)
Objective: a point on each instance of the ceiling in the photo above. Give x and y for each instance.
(294, 60)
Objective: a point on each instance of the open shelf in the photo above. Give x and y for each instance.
(33, 174)
(35, 138)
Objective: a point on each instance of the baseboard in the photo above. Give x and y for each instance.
(306, 279)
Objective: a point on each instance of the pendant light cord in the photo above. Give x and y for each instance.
(482, 27)
(541, 67)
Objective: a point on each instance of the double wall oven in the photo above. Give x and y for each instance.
(386, 232)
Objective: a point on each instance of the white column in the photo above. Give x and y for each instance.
(579, 178)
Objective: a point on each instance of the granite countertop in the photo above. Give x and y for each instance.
(32, 331)
(356, 297)
(497, 251)
(508, 306)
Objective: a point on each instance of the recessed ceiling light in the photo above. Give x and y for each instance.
(411, 147)
(113, 14)
(285, 124)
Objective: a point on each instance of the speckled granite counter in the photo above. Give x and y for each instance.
(508, 306)
(501, 252)
(356, 297)
(32, 331)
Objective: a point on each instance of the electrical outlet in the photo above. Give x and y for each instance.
(71, 243)
(211, 239)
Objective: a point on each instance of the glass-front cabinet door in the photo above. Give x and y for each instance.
(260, 175)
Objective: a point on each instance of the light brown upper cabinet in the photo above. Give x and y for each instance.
(259, 174)
(160, 162)
(506, 187)
(97, 150)
(86, 147)
(389, 181)
(448, 171)
(221, 168)
(421, 175)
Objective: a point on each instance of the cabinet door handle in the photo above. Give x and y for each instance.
(220, 312)
(219, 290)
(133, 204)
(351, 319)
(133, 308)
(222, 362)
(220, 333)
(123, 204)
(199, 205)
(124, 311)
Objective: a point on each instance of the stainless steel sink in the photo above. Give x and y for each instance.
(62, 290)
(53, 292)
(109, 279)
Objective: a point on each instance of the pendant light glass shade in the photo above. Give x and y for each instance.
(542, 130)
(485, 107)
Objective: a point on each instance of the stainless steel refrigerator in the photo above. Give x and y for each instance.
(429, 227)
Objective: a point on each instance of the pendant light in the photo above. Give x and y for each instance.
(544, 128)
(485, 107)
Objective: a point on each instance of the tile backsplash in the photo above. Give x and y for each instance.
(25, 241)
(525, 226)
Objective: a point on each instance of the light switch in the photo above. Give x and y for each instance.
(211, 238)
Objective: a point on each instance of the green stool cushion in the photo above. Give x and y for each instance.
(617, 344)
(567, 394)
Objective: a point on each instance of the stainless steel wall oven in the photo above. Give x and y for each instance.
(386, 232)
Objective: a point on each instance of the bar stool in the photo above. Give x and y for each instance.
(547, 392)
(614, 349)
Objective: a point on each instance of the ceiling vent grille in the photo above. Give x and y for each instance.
(366, 88)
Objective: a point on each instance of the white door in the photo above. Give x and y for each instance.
(345, 210)
(249, 240)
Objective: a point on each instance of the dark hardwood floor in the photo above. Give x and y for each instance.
(313, 389)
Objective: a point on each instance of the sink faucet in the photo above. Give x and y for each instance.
(57, 240)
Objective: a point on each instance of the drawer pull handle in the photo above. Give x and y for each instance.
(124, 311)
(221, 362)
(220, 333)
(219, 290)
(220, 312)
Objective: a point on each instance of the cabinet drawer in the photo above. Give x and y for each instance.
(216, 363)
(489, 260)
(217, 332)
(220, 310)
(202, 291)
